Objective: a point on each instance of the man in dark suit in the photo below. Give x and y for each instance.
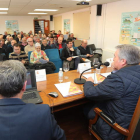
(18, 120)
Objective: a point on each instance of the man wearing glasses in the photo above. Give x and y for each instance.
(30, 46)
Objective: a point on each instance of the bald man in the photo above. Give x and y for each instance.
(85, 51)
(59, 44)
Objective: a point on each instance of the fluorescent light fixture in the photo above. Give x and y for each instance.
(45, 10)
(3, 8)
(82, 0)
(3, 12)
(38, 13)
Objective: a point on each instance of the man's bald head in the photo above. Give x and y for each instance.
(60, 39)
(84, 43)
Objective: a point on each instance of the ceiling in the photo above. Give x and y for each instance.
(23, 7)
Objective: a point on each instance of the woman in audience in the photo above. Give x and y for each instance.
(38, 54)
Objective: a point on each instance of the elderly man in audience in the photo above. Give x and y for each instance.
(118, 94)
(85, 51)
(59, 44)
(19, 55)
(10, 47)
(7, 41)
(68, 55)
(37, 40)
(44, 45)
(71, 36)
(38, 54)
(30, 46)
(10, 39)
(21, 121)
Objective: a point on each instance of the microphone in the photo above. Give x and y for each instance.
(81, 80)
(105, 63)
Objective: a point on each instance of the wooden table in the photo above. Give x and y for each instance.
(61, 103)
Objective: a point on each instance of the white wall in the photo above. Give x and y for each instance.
(25, 22)
(112, 22)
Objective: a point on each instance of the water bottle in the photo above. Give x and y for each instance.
(60, 75)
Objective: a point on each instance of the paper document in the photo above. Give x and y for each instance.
(75, 56)
(96, 77)
(42, 61)
(105, 74)
(68, 89)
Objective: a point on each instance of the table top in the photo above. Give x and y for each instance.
(48, 86)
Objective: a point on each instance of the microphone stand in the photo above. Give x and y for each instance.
(81, 80)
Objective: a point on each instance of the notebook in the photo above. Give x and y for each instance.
(68, 89)
(31, 94)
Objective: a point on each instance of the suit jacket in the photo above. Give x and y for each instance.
(21, 121)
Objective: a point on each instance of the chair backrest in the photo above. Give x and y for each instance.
(134, 126)
(92, 46)
(29, 54)
(53, 54)
(77, 43)
(61, 50)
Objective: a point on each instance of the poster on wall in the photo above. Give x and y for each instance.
(11, 26)
(130, 28)
(66, 26)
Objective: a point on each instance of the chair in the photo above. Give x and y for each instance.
(53, 55)
(29, 54)
(96, 51)
(132, 133)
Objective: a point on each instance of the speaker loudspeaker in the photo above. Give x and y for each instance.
(99, 10)
(51, 17)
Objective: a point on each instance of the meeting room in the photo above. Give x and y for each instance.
(69, 69)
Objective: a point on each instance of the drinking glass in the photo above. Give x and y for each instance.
(66, 69)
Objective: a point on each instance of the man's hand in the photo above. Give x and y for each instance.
(23, 61)
(90, 79)
(88, 55)
(69, 58)
(72, 49)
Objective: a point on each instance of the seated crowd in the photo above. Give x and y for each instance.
(18, 46)
(116, 96)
